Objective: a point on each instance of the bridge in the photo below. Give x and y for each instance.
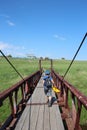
(29, 109)
(31, 112)
(37, 115)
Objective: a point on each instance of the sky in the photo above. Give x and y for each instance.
(43, 28)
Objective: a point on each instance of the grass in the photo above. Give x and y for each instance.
(8, 76)
(77, 75)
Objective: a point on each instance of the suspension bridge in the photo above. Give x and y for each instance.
(32, 111)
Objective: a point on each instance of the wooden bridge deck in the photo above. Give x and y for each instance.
(37, 115)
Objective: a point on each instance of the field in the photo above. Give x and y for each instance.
(76, 76)
(8, 76)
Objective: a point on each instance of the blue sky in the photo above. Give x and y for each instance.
(44, 28)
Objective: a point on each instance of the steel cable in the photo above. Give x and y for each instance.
(74, 56)
(12, 65)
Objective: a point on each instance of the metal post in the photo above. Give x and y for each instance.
(51, 64)
(77, 126)
(40, 65)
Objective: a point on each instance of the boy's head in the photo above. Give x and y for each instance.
(47, 72)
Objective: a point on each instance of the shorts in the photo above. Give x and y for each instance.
(48, 92)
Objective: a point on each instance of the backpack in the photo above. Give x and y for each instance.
(48, 83)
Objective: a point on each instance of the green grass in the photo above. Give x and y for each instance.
(77, 75)
(8, 76)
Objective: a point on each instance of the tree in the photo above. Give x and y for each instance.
(47, 58)
(9, 56)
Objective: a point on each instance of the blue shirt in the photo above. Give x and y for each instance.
(45, 77)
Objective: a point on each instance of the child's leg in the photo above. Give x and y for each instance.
(50, 98)
(47, 99)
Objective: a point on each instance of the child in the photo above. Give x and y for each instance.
(47, 82)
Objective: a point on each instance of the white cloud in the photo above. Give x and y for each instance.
(14, 50)
(59, 37)
(10, 23)
(3, 45)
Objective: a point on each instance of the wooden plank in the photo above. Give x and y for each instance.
(26, 120)
(40, 117)
(53, 120)
(46, 118)
(33, 117)
(23, 118)
(56, 119)
(37, 114)
(33, 113)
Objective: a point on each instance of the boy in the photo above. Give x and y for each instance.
(47, 82)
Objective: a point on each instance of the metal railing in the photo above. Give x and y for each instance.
(77, 98)
(25, 87)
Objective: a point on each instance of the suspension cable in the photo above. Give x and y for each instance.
(74, 56)
(11, 65)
